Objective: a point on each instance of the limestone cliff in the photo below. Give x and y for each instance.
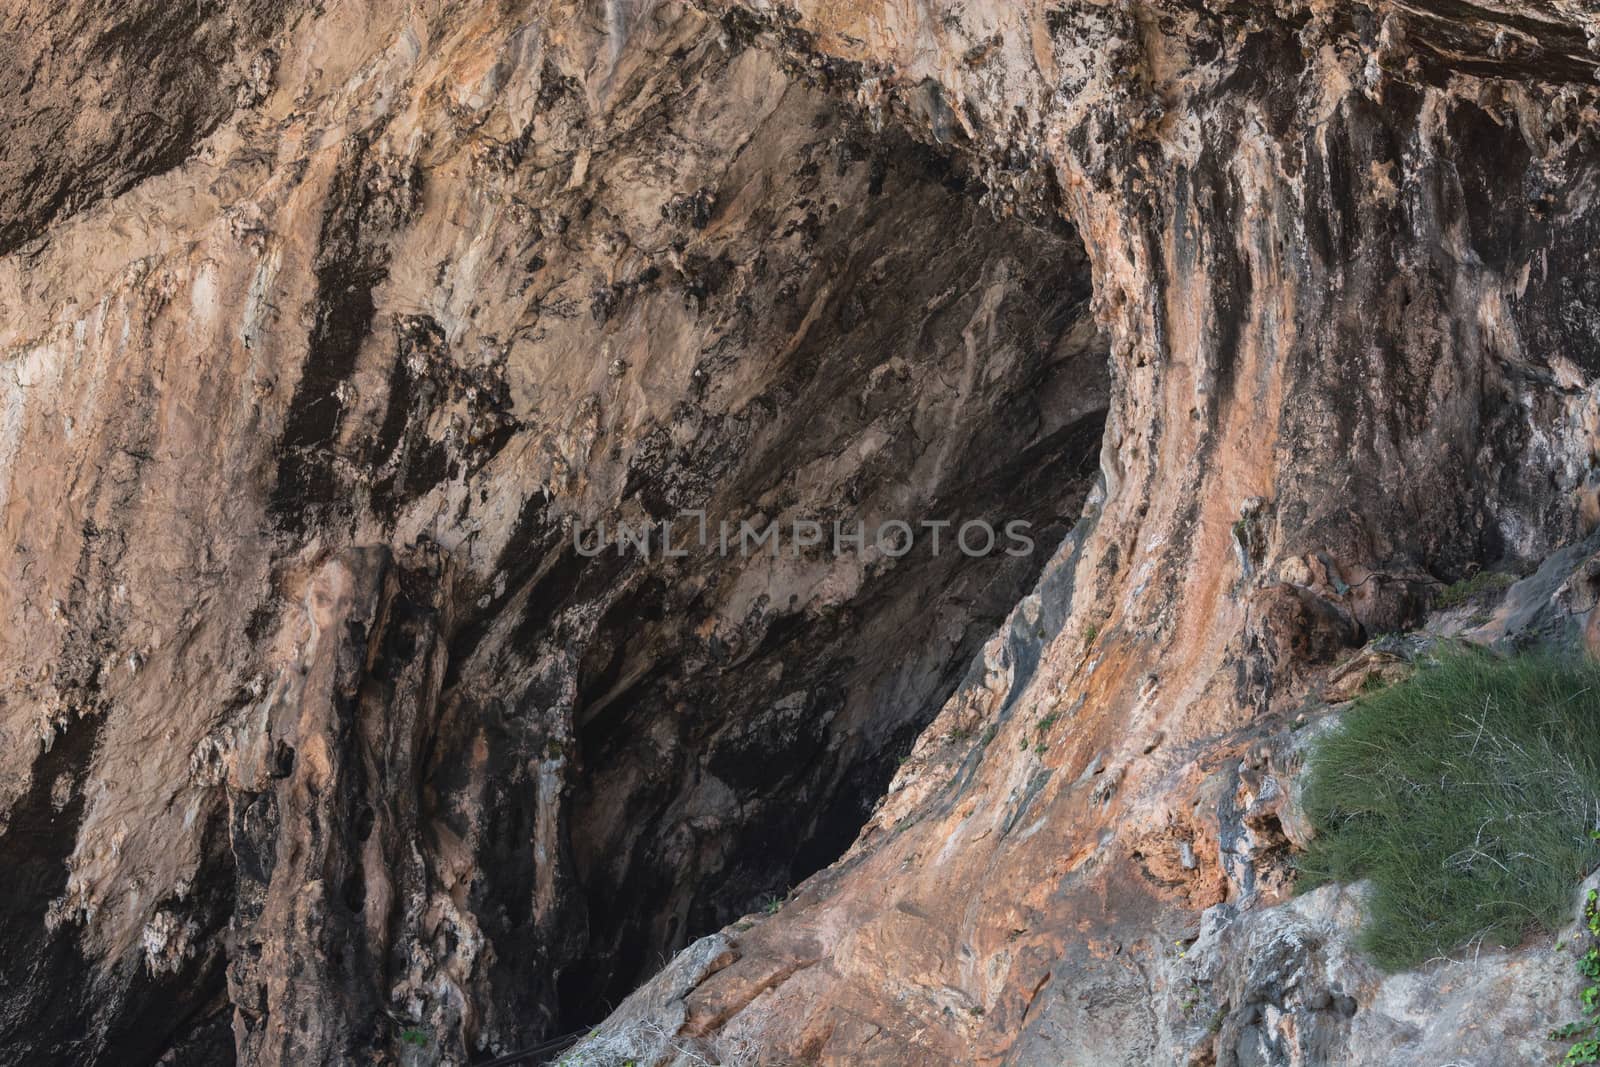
(330, 328)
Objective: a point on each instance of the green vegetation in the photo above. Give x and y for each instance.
(1467, 794)
(414, 1036)
(1585, 1035)
(1481, 584)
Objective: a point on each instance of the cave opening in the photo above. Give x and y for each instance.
(738, 719)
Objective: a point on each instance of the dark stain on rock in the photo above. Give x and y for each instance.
(368, 199)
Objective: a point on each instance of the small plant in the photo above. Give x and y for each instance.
(414, 1036)
(1586, 1047)
(1466, 793)
(1583, 1052)
(1090, 632)
(1048, 721)
(989, 733)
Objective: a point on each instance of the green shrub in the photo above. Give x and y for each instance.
(1467, 794)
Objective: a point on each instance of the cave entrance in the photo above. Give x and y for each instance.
(738, 716)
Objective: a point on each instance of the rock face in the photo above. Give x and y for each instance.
(334, 335)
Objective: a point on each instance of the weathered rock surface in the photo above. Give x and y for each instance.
(1323, 239)
(307, 678)
(327, 327)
